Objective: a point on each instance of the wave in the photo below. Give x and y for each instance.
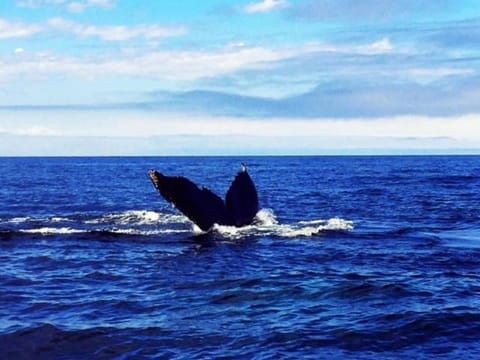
(128, 217)
(138, 217)
(66, 231)
(266, 224)
(47, 341)
(438, 333)
(18, 220)
(51, 231)
(30, 219)
(152, 223)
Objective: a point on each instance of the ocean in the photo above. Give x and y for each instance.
(353, 257)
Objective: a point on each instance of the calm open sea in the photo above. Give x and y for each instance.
(350, 258)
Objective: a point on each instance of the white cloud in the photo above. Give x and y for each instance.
(428, 75)
(265, 6)
(140, 133)
(124, 123)
(36, 131)
(71, 6)
(133, 130)
(116, 33)
(379, 47)
(170, 65)
(382, 46)
(33, 4)
(176, 65)
(10, 30)
(80, 6)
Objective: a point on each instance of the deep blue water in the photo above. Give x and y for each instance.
(351, 258)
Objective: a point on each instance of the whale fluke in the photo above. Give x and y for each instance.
(205, 208)
(241, 199)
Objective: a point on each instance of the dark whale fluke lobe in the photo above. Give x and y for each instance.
(241, 199)
(205, 208)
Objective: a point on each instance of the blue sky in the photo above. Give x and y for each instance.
(120, 77)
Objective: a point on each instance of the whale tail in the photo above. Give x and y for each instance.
(242, 199)
(204, 207)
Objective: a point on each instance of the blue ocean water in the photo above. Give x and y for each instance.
(349, 258)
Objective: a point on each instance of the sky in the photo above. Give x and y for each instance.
(218, 77)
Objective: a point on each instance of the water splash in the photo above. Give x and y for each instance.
(266, 223)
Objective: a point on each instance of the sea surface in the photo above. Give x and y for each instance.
(349, 258)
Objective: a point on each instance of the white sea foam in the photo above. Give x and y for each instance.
(148, 232)
(139, 217)
(128, 223)
(266, 217)
(52, 231)
(19, 220)
(56, 219)
(25, 219)
(266, 223)
(196, 230)
(66, 231)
